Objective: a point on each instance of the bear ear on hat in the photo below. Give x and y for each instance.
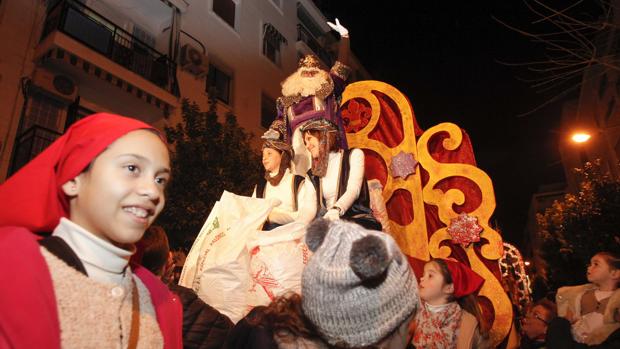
(315, 233)
(369, 257)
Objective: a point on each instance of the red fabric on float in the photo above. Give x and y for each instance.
(389, 130)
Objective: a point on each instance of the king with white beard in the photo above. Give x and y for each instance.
(311, 93)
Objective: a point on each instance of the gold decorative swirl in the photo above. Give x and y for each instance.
(445, 201)
(412, 237)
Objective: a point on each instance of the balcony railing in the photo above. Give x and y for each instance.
(304, 35)
(100, 34)
(30, 144)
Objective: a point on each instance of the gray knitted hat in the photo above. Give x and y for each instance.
(358, 286)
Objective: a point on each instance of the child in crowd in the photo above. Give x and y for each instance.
(96, 189)
(358, 291)
(591, 311)
(450, 316)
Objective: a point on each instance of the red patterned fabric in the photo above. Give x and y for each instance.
(437, 330)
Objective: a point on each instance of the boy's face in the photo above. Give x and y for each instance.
(123, 191)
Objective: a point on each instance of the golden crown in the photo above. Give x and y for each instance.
(310, 61)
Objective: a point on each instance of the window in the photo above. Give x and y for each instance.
(272, 40)
(305, 18)
(142, 60)
(218, 83)
(44, 111)
(143, 35)
(225, 9)
(267, 110)
(40, 127)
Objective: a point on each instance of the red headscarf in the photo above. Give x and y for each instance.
(465, 280)
(32, 198)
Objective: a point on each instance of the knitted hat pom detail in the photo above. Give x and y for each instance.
(369, 257)
(315, 233)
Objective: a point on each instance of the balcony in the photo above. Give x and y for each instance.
(304, 35)
(30, 144)
(89, 28)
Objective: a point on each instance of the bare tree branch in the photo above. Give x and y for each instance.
(574, 40)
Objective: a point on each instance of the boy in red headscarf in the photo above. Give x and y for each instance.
(96, 190)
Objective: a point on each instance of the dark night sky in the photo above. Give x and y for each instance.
(444, 57)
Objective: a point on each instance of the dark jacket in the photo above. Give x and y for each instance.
(203, 326)
(249, 336)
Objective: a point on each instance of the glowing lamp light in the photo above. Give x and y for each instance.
(527, 263)
(580, 137)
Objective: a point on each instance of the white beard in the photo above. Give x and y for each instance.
(296, 84)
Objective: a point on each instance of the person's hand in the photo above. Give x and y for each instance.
(332, 215)
(275, 202)
(344, 32)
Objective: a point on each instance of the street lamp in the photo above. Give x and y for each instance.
(584, 136)
(580, 137)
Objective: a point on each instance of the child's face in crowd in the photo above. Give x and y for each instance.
(123, 191)
(271, 160)
(599, 270)
(433, 288)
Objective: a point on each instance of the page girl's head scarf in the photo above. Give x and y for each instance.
(325, 128)
(465, 280)
(32, 198)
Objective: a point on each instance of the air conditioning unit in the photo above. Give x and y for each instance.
(57, 84)
(194, 61)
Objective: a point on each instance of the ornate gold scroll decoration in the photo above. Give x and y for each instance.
(413, 237)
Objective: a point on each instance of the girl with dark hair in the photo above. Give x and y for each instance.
(294, 194)
(338, 176)
(96, 189)
(589, 315)
(450, 316)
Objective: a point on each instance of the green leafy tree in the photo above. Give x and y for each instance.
(208, 157)
(580, 225)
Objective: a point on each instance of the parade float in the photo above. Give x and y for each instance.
(437, 202)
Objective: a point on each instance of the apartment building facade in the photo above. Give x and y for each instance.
(67, 59)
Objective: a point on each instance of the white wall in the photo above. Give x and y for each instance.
(239, 51)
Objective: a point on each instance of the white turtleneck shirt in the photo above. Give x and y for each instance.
(103, 261)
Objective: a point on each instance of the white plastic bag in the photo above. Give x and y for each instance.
(218, 263)
(277, 259)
